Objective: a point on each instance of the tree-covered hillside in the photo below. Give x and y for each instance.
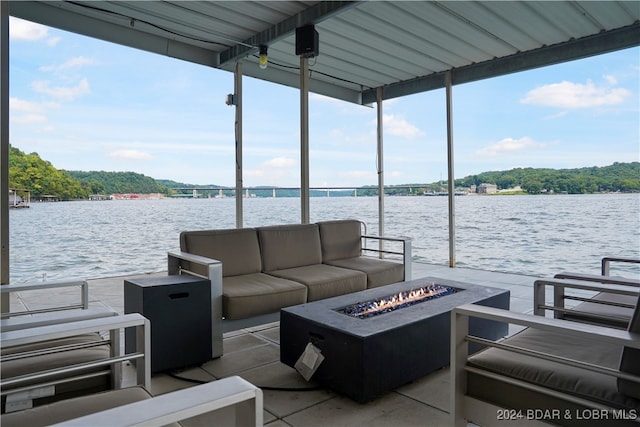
(623, 177)
(101, 182)
(30, 172)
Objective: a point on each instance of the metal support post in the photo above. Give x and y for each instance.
(238, 133)
(451, 178)
(4, 153)
(304, 139)
(380, 153)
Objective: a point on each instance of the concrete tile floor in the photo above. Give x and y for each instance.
(254, 355)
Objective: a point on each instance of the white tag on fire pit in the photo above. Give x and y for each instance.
(309, 361)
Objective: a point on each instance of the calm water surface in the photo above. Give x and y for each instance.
(538, 235)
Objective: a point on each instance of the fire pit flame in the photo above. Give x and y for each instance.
(367, 309)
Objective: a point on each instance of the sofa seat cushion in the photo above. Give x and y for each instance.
(289, 246)
(568, 379)
(325, 281)
(379, 272)
(606, 310)
(65, 410)
(237, 249)
(254, 294)
(16, 367)
(65, 390)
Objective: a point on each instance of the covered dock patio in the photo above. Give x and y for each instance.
(360, 52)
(254, 355)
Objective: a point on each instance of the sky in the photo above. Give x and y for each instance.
(84, 104)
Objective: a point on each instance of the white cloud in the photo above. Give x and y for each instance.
(24, 30)
(576, 95)
(509, 145)
(358, 174)
(16, 104)
(130, 155)
(280, 162)
(28, 119)
(398, 126)
(62, 92)
(78, 61)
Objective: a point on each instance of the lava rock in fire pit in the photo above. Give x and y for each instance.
(364, 310)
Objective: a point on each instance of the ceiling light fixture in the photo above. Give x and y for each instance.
(263, 56)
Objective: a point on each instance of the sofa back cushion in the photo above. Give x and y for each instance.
(289, 246)
(630, 359)
(340, 239)
(236, 248)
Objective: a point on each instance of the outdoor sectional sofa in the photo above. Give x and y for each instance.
(255, 272)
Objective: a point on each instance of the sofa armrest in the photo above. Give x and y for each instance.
(23, 287)
(44, 319)
(183, 404)
(176, 266)
(606, 263)
(113, 324)
(615, 280)
(404, 252)
(559, 296)
(459, 349)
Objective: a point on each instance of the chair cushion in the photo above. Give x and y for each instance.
(237, 249)
(324, 281)
(340, 239)
(65, 410)
(379, 272)
(289, 246)
(568, 379)
(254, 294)
(16, 367)
(22, 366)
(630, 359)
(617, 316)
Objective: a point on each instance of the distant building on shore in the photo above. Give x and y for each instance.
(487, 189)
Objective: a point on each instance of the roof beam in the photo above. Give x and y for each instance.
(317, 13)
(61, 15)
(609, 41)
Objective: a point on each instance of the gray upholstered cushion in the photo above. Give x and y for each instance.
(324, 281)
(22, 366)
(237, 249)
(572, 380)
(73, 408)
(630, 359)
(254, 294)
(340, 239)
(13, 368)
(379, 272)
(618, 316)
(289, 246)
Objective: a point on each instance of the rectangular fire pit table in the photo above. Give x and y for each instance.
(366, 357)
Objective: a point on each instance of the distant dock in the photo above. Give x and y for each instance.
(19, 198)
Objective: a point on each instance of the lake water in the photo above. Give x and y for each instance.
(538, 235)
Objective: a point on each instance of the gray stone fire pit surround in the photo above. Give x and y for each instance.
(364, 358)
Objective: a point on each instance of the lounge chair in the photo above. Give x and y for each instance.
(554, 371)
(600, 299)
(45, 364)
(24, 357)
